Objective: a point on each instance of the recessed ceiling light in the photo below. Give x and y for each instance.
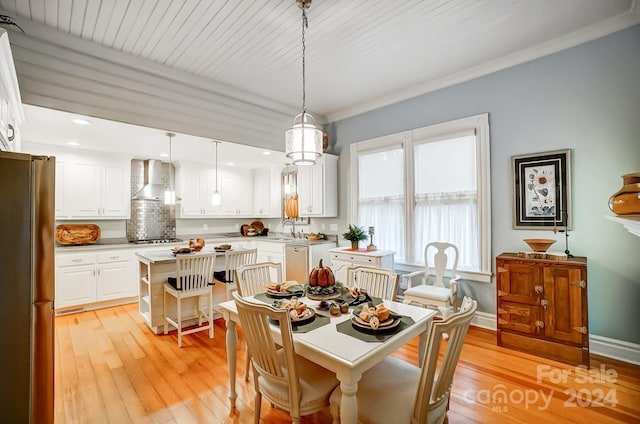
(80, 121)
(266, 153)
(164, 155)
(73, 143)
(230, 163)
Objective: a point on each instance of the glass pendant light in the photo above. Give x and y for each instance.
(303, 141)
(216, 198)
(170, 197)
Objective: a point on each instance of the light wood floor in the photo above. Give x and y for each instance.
(110, 368)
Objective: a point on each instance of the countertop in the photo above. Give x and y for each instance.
(123, 243)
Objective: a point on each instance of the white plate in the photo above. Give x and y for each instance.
(386, 325)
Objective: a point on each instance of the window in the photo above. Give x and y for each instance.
(427, 184)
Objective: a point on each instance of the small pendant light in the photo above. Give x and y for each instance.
(216, 198)
(170, 197)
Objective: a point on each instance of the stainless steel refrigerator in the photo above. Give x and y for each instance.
(27, 192)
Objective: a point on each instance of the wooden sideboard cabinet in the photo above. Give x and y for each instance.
(542, 307)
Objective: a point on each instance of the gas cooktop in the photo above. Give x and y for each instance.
(157, 241)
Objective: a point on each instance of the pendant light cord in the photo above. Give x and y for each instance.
(170, 135)
(305, 24)
(216, 165)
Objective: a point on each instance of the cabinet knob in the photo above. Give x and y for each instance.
(544, 303)
(538, 288)
(539, 325)
(580, 284)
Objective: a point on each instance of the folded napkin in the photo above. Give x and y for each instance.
(298, 288)
(358, 309)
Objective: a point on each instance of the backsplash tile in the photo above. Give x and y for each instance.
(150, 219)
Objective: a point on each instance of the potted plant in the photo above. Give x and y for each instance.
(354, 235)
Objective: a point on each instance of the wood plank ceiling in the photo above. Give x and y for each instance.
(359, 52)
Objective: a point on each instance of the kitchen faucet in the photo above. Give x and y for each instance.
(291, 221)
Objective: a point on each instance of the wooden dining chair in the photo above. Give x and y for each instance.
(253, 279)
(232, 260)
(432, 290)
(394, 391)
(192, 280)
(379, 282)
(288, 381)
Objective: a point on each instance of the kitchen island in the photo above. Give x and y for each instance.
(106, 273)
(154, 267)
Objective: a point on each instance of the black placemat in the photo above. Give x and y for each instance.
(346, 327)
(318, 321)
(268, 299)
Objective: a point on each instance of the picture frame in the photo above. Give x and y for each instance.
(542, 190)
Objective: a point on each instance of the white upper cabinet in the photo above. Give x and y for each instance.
(88, 185)
(11, 113)
(196, 184)
(95, 187)
(267, 192)
(318, 187)
(237, 192)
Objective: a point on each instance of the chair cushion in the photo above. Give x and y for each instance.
(222, 276)
(386, 392)
(441, 294)
(173, 282)
(316, 384)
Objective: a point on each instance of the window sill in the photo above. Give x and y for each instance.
(473, 276)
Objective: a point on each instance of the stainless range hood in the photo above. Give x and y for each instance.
(153, 188)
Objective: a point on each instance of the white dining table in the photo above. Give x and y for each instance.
(341, 353)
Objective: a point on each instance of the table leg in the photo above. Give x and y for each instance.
(349, 403)
(422, 343)
(232, 342)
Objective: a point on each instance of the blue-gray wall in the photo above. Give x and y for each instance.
(586, 98)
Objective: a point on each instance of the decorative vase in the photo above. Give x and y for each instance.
(627, 200)
(354, 245)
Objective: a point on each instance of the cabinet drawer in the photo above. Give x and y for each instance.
(356, 259)
(520, 317)
(76, 259)
(108, 257)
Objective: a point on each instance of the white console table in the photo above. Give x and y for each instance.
(343, 258)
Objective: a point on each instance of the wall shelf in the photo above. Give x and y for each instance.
(630, 222)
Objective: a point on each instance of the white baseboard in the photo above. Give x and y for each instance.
(615, 349)
(484, 320)
(598, 345)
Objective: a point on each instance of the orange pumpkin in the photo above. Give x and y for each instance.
(291, 207)
(321, 276)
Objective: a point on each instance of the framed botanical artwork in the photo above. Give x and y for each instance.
(542, 190)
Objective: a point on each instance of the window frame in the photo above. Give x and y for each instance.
(407, 140)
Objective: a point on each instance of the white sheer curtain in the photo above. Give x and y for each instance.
(386, 214)
(449, 217)
(428, 184)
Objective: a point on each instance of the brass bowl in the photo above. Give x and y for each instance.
(539, 245)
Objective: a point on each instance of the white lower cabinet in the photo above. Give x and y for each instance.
(75, 285)
(116, 276)
(271, 252)
(91, 278)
